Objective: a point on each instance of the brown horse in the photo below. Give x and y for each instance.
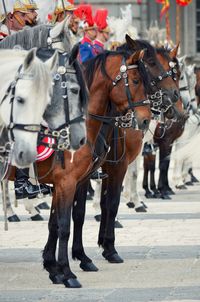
(116, 89)
(123, 151)
(197, 87)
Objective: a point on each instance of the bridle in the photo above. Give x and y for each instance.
(63, 131)
(156, 99)
(11, 91)
(127, 118)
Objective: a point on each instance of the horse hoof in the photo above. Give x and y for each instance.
(97, 217)
(188, 183)
(144, 204)
(115, 258)
(194, 179)
(165, 197)
(56, 279)
(130, 205)
(181, 187)
(149, 195)
(13, 218)
(43, 206)
(36, 217)
(88, 267)
(72, 283)
(141, 209)
(170, 192)
(118, 225)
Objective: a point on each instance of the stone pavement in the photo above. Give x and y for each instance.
(161, 249)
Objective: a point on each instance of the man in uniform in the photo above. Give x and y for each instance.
(103, 31)
(87, 50)
(63, 9)
(31, 15)
(15, 19)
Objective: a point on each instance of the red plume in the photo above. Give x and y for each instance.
(101, 18)
(84, 12)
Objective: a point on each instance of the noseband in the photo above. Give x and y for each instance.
(126, 120)
(11, 91)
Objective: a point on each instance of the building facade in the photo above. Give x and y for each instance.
(148, 12)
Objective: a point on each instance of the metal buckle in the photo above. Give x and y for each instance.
(123, 68)
(64, 133)
(32, 128)
(63, 85)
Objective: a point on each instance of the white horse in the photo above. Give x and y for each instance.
(183, 162)
(26, 87)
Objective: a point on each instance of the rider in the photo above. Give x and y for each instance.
(62, 10)
(103, 31)
(31, 15)
(15, 19)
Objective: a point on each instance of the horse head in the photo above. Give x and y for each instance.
(66, 112)
(25, 100)
(161, 68)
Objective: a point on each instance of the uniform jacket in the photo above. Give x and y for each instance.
(98, 46)
(86, 50)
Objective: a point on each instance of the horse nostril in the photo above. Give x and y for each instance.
(145, 123)
(82, 141)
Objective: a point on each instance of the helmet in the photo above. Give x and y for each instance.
(19, 6)
(100, 20)
(30, 4)
(84, 13)
(60, 8)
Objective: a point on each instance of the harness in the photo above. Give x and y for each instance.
(127, 118)
(156, 99)
(11, 91)
(63, 131)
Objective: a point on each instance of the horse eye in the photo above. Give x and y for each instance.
(20, 100)
(136, 82)
(74, 90)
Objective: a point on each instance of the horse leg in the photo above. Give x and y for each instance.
(186, 176)
(30, 207)
(163, 185)
(112, 198)
(96, 202)
(152, 168)
(49, 257)
(134, 194)
(78, 215)
(11, 216)
(146, 164)
(65, 193)
(177, 174)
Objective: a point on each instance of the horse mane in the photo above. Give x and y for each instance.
(100, 61)
(28, 38)
(81, 80)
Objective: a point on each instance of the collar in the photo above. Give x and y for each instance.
(86, 39)
(99, 43)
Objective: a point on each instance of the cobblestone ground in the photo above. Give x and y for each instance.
(161, 249)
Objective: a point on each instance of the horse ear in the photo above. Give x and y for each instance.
(173, 53)
(59, 27)
(135, 57)
(130, 42)
(74, 53)
(52, 63)
(29, 58)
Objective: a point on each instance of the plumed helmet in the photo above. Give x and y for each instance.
(84, 13)
(100, 20)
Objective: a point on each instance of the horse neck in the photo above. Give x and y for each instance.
(97, 105)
